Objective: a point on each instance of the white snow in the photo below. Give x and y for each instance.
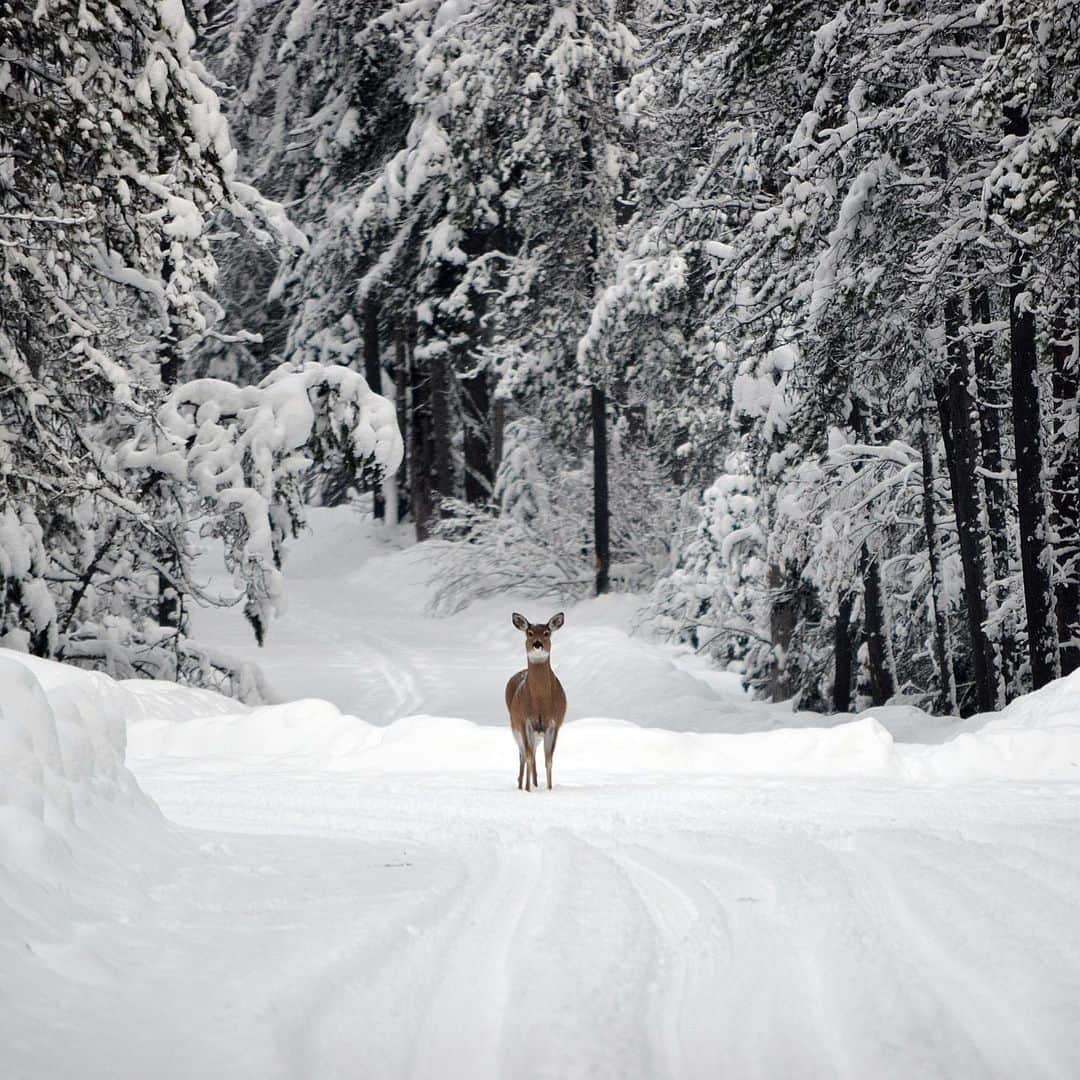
(355, 887)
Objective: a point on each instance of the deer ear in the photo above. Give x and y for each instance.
(555, 621)
(520, 621)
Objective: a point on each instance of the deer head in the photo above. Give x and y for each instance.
(538, 636)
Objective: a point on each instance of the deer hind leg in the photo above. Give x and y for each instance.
(550, 736)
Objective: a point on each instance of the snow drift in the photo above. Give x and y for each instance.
(78, 837)
(1038, 737)
(63, 781)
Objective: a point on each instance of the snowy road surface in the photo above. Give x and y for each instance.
(336, 898)
(446, 926)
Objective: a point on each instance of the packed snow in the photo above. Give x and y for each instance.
(349, 882)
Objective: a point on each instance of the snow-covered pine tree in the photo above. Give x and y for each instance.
(114, 155)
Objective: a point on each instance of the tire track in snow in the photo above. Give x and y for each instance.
(326, 1010)
(749, 996)
(579, 971)
(687, 950)
(462, 1021)
(981, 994)
(421, 993)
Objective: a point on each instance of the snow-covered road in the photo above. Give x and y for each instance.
(447, 926)
(333, 897)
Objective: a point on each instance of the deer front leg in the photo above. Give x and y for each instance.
(528, 749)
(521, 766)
(550, 736)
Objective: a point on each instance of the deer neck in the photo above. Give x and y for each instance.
(539, 675)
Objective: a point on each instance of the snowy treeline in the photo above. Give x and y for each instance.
(769, 309)
(118, 184)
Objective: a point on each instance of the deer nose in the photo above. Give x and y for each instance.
(538, 644)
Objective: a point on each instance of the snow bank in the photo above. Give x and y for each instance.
(76, 831)
(62, 773)
(314, 734)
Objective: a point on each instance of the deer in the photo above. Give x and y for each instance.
(536, 699)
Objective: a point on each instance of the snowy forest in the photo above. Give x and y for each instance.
(769, 314)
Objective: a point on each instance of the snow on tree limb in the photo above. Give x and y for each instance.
(240, 451)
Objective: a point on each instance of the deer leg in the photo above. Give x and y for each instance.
(530, 761)
(521, 756)
(549, 750)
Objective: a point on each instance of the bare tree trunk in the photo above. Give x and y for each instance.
(1065, 494)
(942, 653)
(601, 510)
(1036, 555)
(875, 616)
(843, 653)
(440, 389)
(498, 433)
(476, 417)
(875, 625)
(994, 490)
(170, 613)
(1035, 552)
(421, 443)
(373, 375)
(783, 618)
(401, 407)
(955, 409)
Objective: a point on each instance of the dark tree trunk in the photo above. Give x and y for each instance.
(401, 407)
(600, 490)
(942, 653)
(875, 625)
(440, 376)
(498, 433)
(421, 443)
(1035, 551)
(875, 616)
(1065, 496)
(956, 412)
(373, 375)
(990, 410)
(843, 653)
(170, 603)
(995, 490)
(783, 618)
(476, 417)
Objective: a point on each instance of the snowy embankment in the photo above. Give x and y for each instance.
(64, 787)
(77, 840)
(1036, 738)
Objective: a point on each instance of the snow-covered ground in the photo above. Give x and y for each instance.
(355, 887)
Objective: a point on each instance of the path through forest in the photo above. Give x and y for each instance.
(341, 899)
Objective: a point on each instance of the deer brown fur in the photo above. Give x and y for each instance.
(536, 699)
